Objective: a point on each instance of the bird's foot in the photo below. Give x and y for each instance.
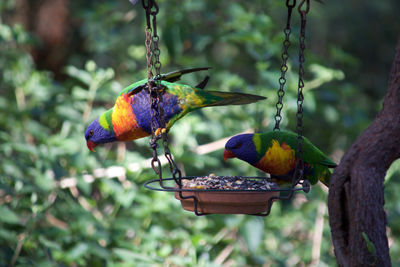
(160, 131)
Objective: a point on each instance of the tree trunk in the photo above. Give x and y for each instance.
(50, 21)
(356, 195)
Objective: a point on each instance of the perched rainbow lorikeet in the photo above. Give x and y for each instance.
(130, 117)
(275, 153)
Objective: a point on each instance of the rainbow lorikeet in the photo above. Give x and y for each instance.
(130, 117)
(276, 153)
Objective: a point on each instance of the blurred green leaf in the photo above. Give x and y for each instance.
(128, 255)
(78, 74)
(253, 231)
(370, 246)
(8, 216)
(77, 251)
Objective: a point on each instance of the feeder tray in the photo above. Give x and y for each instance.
(205, 199)
(226, 194)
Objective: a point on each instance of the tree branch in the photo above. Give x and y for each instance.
(356, 195)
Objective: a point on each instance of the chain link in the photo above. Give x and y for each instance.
(300, 97)
(156, 93)
(284, 67)
(153, 98)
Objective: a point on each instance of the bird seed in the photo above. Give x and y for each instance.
(228, 183)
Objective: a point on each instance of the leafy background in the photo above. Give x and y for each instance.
(64, 206)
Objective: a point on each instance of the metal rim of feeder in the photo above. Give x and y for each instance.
(157, 116)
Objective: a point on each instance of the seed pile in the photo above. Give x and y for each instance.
(228, 183)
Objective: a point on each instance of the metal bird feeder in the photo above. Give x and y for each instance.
(204, 200)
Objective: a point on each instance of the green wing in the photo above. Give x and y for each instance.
(315, 156)
(191, 98)
(176, 75)
(188, 99)
(133, 86)
(169, 77)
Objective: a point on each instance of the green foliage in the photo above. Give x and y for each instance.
(64, 206)
(370, 246)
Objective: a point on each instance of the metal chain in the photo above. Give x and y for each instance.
(156, 94)
(300, 98)
(152, 91)
(153, 98)
(284, 67)
(152, 55)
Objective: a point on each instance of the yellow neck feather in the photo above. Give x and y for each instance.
(278, 159)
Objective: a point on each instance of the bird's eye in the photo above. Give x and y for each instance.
(236, 146)
(91, 133)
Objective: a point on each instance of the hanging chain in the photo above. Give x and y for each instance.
(156, 93)
(149, 5)
(300, 98)
(284, 67)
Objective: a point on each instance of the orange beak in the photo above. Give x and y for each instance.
(91, 145)
(228, 154)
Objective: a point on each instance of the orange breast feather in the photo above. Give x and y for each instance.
(124, 121)
(278, 159)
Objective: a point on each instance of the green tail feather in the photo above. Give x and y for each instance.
(325, 177)
(176, 75)
(225, 98)
(325, 180)
(198, 98)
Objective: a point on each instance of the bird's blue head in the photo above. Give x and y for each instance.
(241, 147)
(99, 132)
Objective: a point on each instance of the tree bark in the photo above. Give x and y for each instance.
(356, 192)
(50, 21)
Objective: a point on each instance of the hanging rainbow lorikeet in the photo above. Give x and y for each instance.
(275, 153)
(130, 117)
